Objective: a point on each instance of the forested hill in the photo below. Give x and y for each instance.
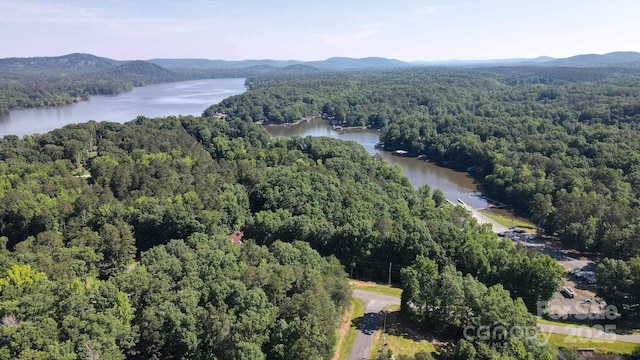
(220, 64)
(140, 72)
(619, 59)
(52, 81)
(136, 261)
(69, 64)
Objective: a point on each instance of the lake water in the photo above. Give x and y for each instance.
(193, 97)
(179, 98)
(454, 184)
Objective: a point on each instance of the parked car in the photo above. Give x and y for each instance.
(516, 229)
(574, 271)
(568, 292)
(590, 276)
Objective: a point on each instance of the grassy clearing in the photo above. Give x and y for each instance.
(508, 221)
(566, 323)
(599, 345)
(401, 337)
(346, 343)
(376, 288)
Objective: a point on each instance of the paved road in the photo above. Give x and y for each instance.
(587, 332)
(373, 305)
(566, 261)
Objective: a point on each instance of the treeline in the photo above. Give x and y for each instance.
(494, 325)
(136, 262)
(25, 91)
(619, 285)
(560, 145)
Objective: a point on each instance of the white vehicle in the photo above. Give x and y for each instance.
(568, 292)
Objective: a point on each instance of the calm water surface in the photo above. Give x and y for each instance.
(454, 184)
(180, 98)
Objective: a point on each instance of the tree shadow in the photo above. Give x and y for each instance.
(368, 323)
(397, 325)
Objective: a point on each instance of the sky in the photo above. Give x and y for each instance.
(408, 30)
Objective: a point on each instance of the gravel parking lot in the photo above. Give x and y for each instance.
(584, 301)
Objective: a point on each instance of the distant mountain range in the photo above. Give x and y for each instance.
(160, 69)
(620, 58)
(334, 63)
(626, 59)
(72, 63)
(614, 59)
(220, 64)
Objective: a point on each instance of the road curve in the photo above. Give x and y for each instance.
(373, 305)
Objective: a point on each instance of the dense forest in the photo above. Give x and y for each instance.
(115, 238)
(116, 244)
(560, 145)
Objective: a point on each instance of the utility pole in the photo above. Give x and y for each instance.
(389, 274)
(384, 329)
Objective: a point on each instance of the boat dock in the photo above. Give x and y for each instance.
(401, 153)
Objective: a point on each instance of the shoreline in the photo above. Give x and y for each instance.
(310, 118)
(497, 228)
(480, 217)
(267, 123)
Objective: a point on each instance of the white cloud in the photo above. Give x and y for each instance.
(25, 12)
(114, 19)
(364, 33)
(369, 30)
(414, 15)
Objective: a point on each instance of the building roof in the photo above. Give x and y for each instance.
(236, 237)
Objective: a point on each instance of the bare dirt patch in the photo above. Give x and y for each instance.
(361, 284)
